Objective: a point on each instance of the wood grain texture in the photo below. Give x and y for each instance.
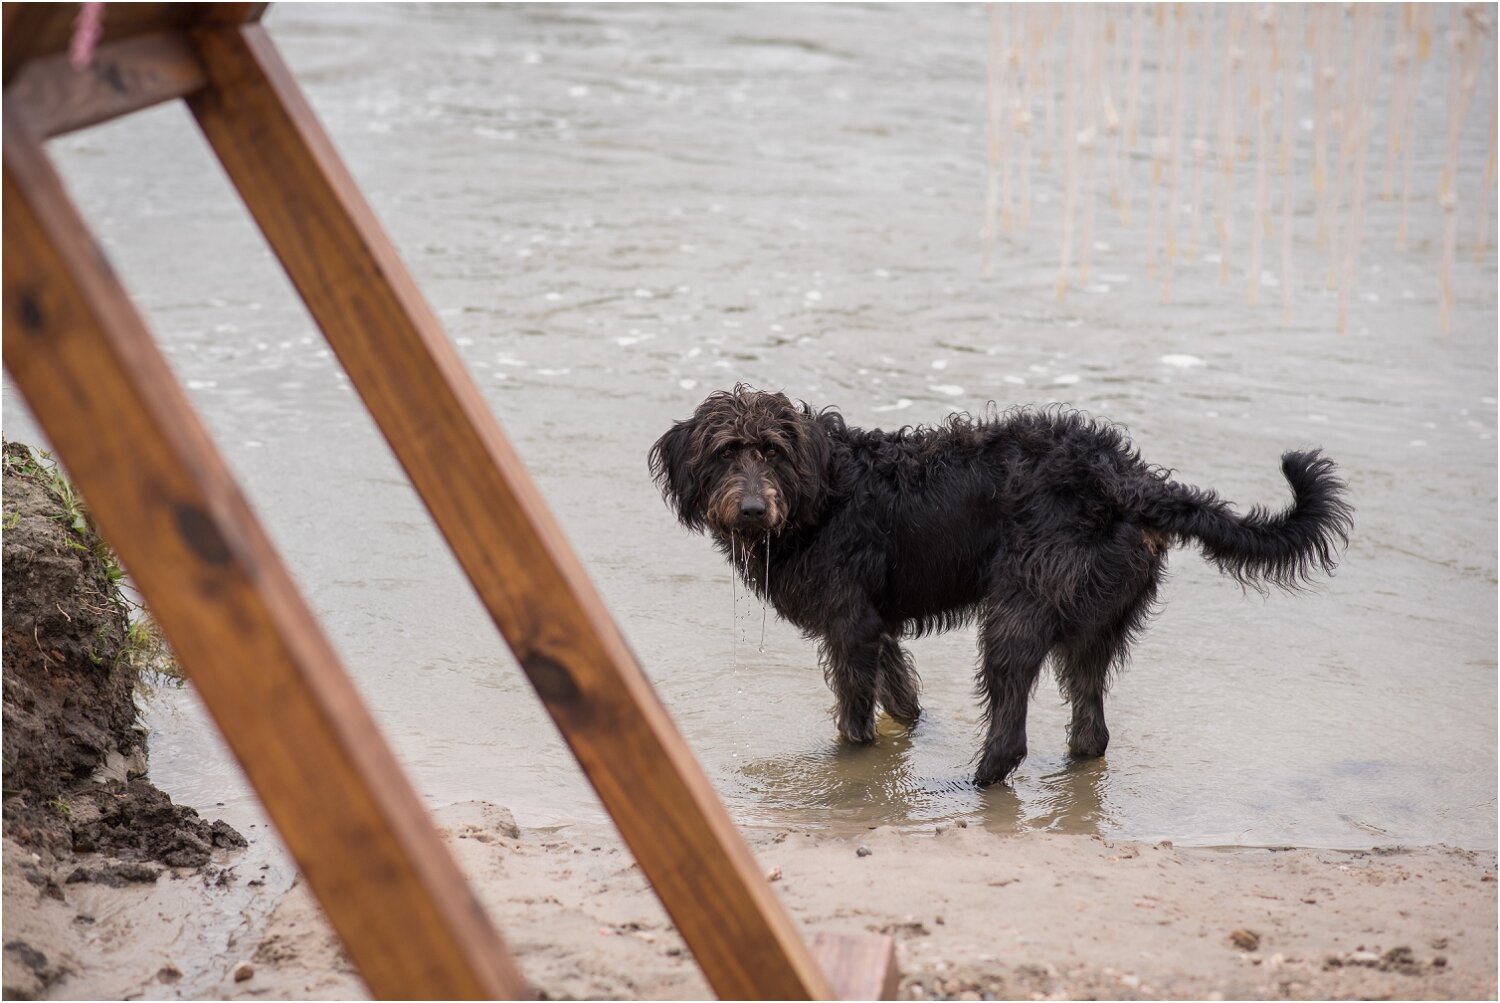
(496, 522)
(860, 966)
(33, 30)
(163, 497)
(125, 76)
(38, 30)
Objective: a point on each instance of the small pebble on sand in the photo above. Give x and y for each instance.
(863, 851)
(243, 971)
(774, 874)
(1245, 940)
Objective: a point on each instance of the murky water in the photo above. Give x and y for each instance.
(618, 209)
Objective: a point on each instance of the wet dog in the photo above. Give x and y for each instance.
(1043, 526)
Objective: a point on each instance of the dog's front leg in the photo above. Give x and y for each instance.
(851, 663)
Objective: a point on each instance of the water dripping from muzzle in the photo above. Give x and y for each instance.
(765, 596)
(734, 598)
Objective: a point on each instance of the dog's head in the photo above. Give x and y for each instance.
(746, 463)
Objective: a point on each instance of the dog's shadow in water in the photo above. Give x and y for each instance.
(881, 784)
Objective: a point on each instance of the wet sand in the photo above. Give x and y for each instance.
(975, 914)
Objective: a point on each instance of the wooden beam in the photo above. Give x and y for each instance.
(496, 522)
(40, 30)
(164, 498)
(125, 76)
(860, 966)
(33, 30)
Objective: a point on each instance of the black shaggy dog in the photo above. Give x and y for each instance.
(1045, 526)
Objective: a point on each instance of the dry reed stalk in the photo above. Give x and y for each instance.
(1396, 104)
(1088, 137)
(1340, 97)
(1421, 39)
(1049, 22)
(1487, 185)
(1031, 30)
(1323, 20)
(1369, 26)
(1200, 130)
(1110, 122)
(1288, 157)
(1132, 108)
(1159, 144)
(1174, 174)
(1260, 105)
(995, 107)
(1463, 37)
(1109, 110)
(1070, 137)
(1224, 205)
(1006, 124)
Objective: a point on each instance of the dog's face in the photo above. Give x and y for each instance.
(746, 463)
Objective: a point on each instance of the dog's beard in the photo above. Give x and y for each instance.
(723, 509)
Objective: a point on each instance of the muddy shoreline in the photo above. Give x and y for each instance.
(79, 812)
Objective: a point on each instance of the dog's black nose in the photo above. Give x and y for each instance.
(753, 508)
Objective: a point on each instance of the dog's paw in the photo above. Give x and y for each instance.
(856, 720)
(996, 769)
(858, 732)
(1088, 743)
(907, 716)
(997, 766)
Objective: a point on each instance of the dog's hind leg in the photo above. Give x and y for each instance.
(897, 686)
(851, 663)
(1083, 672)
(1084, 665)
(1015, 636)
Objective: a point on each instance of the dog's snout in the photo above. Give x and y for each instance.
(753, 508)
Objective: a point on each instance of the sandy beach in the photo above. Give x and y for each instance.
(975, 915)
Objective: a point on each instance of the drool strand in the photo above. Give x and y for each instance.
(734, 598)
(765, 595)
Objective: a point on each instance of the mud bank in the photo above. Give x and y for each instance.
(78, 810)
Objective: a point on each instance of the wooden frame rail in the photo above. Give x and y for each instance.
(161, 493)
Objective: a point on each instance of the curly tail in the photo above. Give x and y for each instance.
(1264, 548)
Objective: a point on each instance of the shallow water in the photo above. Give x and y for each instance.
(617, 209)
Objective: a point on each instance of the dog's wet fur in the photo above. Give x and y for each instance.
(1043, 526)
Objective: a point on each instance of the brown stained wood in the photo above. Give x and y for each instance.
(861, 966)
(496, 522)
(125, 76)
(39, 30)
(163, 497)
(33, 30)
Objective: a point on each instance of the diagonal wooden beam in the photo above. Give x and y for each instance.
(125, 76)
(165, 500)
(496, 522)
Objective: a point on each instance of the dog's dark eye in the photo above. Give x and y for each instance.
(770, 452)
(728, 452)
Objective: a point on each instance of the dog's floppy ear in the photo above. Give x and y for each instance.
(811, 459)
(672, 469)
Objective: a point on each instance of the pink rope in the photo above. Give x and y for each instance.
(86, 32)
